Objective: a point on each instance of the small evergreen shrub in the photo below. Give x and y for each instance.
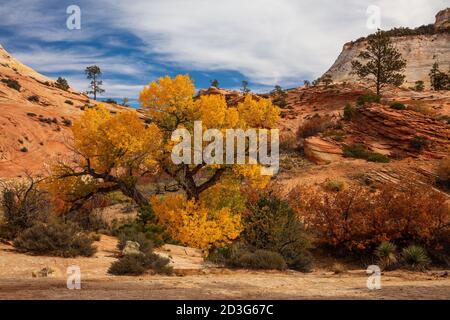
(398, 106)
(24, 149)
(146, 223)
(360, 151)
(378, 157)
(31, 114)
(334, 185)
(259, 259)
(67, 122)
(419, 143)
(138, 264)
(131, 264)
(70, 102)
(62, 84)
(419, 86)
(33, 98)
(349, 112)
(273, 226)
(55, 239)
(13, 84)
(367, 98)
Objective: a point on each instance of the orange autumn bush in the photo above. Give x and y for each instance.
(357, 219)
(195, 225)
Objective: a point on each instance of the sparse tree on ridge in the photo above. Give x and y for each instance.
(215, 83)
(326, 80)
(125, 102)
(245, 89)
(383, 62)
(93, 73)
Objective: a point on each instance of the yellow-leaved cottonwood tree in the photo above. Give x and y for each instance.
(111, 152)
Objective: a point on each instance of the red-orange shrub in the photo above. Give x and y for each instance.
(356, 219)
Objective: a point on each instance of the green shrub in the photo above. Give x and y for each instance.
(13, 84)
(367, 98)
(24, 149)
(138, 264)
(31, 114)
(259, 259)
(45, 120)
(360, 151)
(398, 106)
(335, 185)
(419, 143)
(67, 122)
(70, 102)
(419, 86)
(272, 225)
(378, 157)
(62, 84)
(415, 257)
(349, 112)
(131, 264)
(33, 98)
(386, 253)
(55, 239)
(146, 223)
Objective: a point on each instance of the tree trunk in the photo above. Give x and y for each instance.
(134, 194)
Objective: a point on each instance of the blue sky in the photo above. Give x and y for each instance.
(265, 42)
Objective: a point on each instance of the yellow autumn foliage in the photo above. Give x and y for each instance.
(193, 224)
(116, 141)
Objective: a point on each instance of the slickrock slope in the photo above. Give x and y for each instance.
(34, 120)
(321, 151)
(420, 52)
(396, 129)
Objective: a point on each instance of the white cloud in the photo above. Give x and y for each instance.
(269, 41)
(48, 60)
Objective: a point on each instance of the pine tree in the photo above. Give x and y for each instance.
(215, 83)
(384, 62)
(438, 79)
(93, 73)
(245, 89)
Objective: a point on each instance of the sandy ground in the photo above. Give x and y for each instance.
(194, 280)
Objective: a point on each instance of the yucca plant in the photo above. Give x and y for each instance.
(386, 253)
(416, 257)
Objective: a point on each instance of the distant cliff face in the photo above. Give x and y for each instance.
(419, 51)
